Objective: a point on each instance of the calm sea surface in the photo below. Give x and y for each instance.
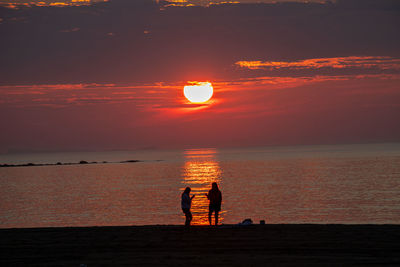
(304, 184)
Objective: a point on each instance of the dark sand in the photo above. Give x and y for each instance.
(257, 245)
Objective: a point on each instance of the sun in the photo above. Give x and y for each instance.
(198, 92)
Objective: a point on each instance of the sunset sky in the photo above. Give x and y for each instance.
(76, 75)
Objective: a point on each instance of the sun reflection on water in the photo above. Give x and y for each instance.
(201, 168)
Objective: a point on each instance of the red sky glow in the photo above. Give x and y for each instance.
(70, 80)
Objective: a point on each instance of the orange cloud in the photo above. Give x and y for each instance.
(203, 3)
(22, 3)
(383, 63)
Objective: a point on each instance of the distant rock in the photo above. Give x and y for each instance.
(64, 163)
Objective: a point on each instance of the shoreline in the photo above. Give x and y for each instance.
(226, 245)
(197, 226)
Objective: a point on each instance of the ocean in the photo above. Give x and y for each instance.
(346, 184)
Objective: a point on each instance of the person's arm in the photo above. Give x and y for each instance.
(192, 197)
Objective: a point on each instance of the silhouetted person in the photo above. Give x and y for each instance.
(215, 197)
(186, 204)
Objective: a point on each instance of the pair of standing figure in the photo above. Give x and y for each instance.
(215, 197)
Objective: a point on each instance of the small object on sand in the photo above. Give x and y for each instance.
(262, 222)
(246, 222)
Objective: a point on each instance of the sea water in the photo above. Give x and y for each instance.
(348, 184)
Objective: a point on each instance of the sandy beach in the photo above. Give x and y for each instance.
(256, 245)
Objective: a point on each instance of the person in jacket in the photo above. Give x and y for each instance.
(215, 197)
(186, 204)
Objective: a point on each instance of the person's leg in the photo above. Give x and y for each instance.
(209, 215)
(186, 219)
(216, 217)
(190, 217)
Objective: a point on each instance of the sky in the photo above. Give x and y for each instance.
(92, 76)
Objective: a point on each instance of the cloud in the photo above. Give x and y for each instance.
(71, 30)
(365, 62)
(162, 97)
(189, 3)
(16, 4)
(64, 95)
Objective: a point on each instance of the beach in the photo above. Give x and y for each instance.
(225, 245)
